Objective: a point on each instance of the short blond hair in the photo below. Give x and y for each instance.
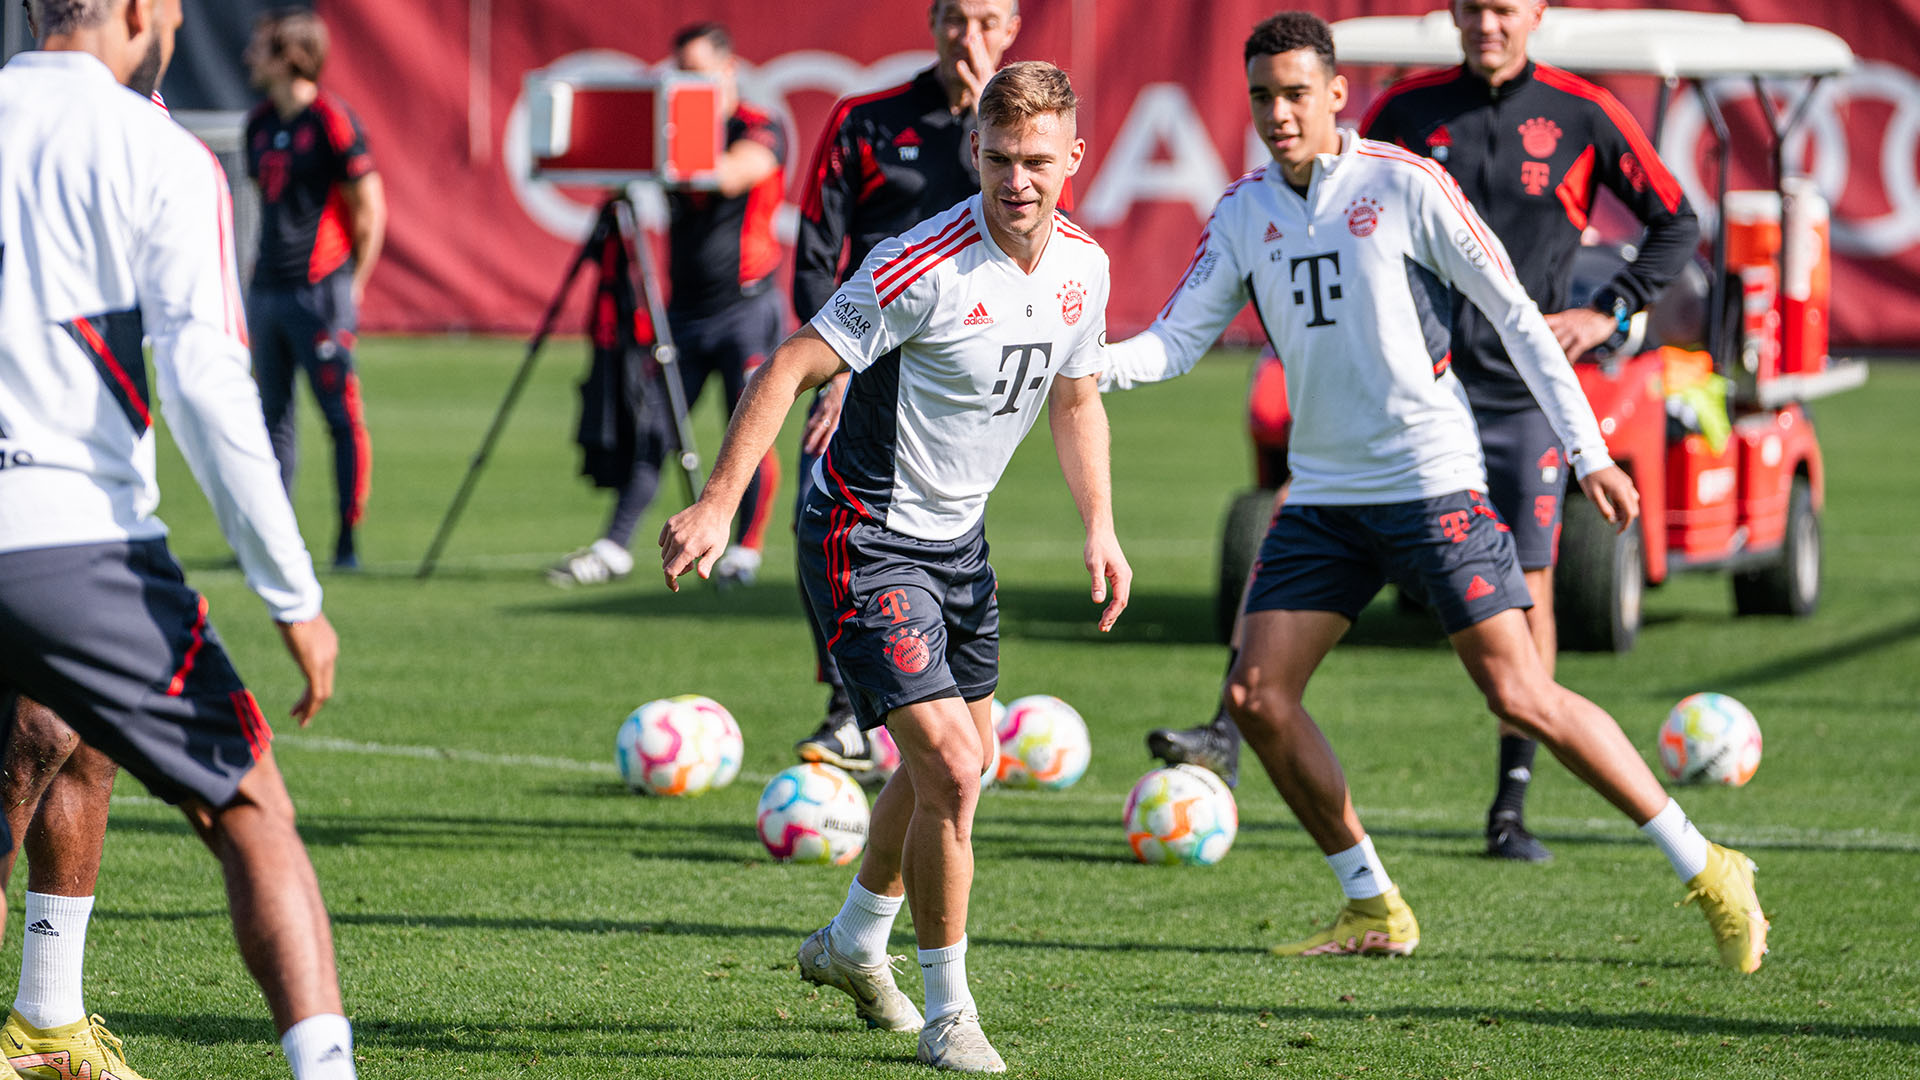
(1019, 92)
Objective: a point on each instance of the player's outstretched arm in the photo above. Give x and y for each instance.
(1079, 424)
(694, 538)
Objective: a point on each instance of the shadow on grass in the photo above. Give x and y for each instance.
(1591, 1020)
(667, 840)
(1800, 665)
(695, 598)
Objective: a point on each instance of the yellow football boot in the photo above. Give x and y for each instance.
(1377, 926)
(1725, 892)
(82, 1050)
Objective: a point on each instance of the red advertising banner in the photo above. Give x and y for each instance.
(474, 244)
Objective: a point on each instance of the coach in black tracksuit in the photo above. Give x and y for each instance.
(1531, 145)
(886, 162)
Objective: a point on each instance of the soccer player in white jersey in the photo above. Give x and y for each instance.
(1347, 248)
(114, 223)
(957, 333)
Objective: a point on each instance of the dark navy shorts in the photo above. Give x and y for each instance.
(907, 620)
(1452, 548)
(111, 638)
(1526, 480)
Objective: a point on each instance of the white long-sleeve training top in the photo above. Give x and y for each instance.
(114, 221)
(1351, 283)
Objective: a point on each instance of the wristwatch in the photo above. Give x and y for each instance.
(1608, 302)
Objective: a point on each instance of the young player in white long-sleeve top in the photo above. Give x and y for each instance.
(114, 223)
(1347, 249)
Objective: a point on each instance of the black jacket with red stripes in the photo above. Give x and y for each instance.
(1531, 154)
(886, 162)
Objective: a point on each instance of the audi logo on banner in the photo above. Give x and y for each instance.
(1874, 190)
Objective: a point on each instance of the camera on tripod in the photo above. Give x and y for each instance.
(613, 130)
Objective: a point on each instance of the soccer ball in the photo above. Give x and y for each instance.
(1711, 738)
(812, 813)
(1043, 744)
(678, 746)
(1182, 814)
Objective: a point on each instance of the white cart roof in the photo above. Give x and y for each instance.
(1676, 44)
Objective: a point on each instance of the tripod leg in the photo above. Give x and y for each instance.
(646, 284)
(459, 505)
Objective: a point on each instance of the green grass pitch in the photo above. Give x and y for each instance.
(503, 908)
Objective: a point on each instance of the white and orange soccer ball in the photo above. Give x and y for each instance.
(812, 813)
(678, 746)
(1043, 744)
(1710, 738)
(1181, 815)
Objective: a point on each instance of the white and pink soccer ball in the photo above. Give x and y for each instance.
(1043, 744)
(1181, 815)
(1710, 738)
(682, 745)
(812, 813)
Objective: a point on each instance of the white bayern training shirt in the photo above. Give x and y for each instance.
(113, 221)
(1351, 284)
(954, 349)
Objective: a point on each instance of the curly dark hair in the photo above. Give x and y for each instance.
(1292, 30)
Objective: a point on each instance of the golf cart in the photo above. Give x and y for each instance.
(1705, 406)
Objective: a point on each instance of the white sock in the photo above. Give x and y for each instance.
(52, 958)
(320, 1048)
(860, 931)
(945, 972)
(1359, 870)
(1678, 840)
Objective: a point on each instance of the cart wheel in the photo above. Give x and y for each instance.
(1240, 537)
(1790, 586)
(1597, 585)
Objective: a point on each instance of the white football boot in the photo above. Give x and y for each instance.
(875, 997)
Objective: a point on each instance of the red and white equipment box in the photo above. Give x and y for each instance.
(612, 130)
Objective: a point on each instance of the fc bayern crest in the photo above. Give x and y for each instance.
(909, 652)
(1539, 136)
(1363, 216)
(1071, 296)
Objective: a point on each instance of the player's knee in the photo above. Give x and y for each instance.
(949, 778)
(1526, 703)
(1258, 705)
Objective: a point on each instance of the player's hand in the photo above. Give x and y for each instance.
(1580, 329)
(824, 417)
(1112, 577)
(976, 68)
(693, 540)
(1613, 494)
(314, 647)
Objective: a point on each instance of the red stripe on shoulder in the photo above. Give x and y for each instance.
(1663, 182)
(338, 124)
(823, 150)
(960, 242)
(882, 276)
(1416, 81)
(1066, 226)
(1447, 186)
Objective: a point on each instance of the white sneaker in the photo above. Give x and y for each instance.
(739, 566)
(596, 564)
(955, 1043)
(875, 997)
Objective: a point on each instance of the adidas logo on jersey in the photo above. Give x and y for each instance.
(978, 316)
(1273, 233)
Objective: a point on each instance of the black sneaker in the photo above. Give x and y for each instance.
(1214, 746)
(838, 741)
(1507, 838)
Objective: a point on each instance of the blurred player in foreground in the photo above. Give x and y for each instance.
(723, 310)
(323, 216)
(1347, 248)
(132, 234)
(886, 162)
(956, 333)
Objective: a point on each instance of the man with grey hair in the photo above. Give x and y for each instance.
(130, 239)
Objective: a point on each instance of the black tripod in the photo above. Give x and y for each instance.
(615, 219)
